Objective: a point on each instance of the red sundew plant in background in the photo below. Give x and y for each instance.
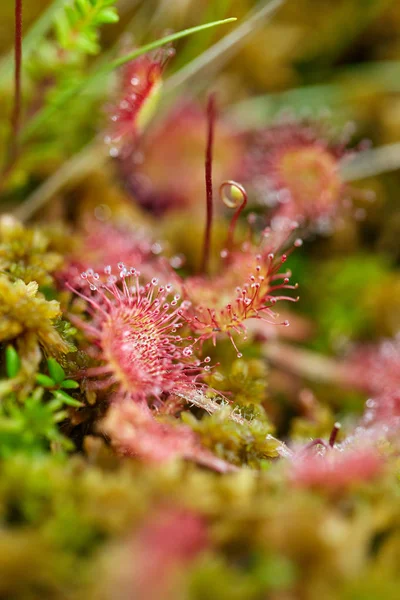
(133, 329)
(172, 536)
(135, 431)
(149, 173)
(158, 553)
(377, 370)
(335, 468)
(107, 241)
(166, 545)
(138, 94)
(109, 244)
(294, 167)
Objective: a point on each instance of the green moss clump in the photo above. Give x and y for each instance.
(245, 440)
(25, 254)
(244, 380)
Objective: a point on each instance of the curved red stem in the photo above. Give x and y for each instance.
(240, 208)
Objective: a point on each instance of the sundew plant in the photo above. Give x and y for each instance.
(199, 300)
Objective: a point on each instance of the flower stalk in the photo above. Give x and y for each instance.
(16, 110)
(211, 114)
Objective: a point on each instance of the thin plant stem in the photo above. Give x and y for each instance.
(34, 34)
(16, 111)
(211, 111)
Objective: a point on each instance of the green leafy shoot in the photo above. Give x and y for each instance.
(56, 371)
(31, 427)
(65, 398)
(77, 26)
(13, 362)
(57, 382)
(45, 380)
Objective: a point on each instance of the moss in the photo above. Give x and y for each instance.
(25, 254)
(247, 441)
(244, 380)
(25, 312)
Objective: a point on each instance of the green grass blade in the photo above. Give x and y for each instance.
(163, 41)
